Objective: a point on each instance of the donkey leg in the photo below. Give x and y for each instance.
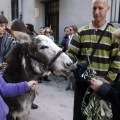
(24, 117)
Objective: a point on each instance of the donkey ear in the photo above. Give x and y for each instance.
(19, 36)
(116, 34)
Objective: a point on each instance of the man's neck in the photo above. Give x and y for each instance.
(98, 24)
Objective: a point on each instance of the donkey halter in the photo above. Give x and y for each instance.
(47, 65)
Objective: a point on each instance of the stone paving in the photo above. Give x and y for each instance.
(55, 103)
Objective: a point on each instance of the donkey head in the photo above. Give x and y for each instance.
(44, 49)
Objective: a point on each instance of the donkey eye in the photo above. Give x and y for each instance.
(43, 47)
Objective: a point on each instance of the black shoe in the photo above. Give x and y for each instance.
(34, 106)
(47, 80)
(66, 78)
(40, 81)
(68, 88)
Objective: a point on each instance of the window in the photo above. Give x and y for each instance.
(14, 9)
(52, 17)
(115, 4)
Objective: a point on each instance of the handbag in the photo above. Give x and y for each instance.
(79, 72)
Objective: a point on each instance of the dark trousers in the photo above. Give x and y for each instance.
(80, 89)
(9, 117)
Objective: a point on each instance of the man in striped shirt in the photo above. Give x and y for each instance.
(105, 61)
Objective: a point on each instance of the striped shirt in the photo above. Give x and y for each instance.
(106, 60)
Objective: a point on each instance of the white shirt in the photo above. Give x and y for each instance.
(70, 38)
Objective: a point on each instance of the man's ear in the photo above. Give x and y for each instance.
(108, 8)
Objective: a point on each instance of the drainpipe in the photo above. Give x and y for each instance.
(21, 9)
(119, 13)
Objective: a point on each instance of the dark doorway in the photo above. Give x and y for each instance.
(52, 17)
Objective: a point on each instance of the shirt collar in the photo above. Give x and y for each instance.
(91, 26)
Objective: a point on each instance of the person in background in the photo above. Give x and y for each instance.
(42, 30)
(64, 43)
(48, 32)
(6, 43)
(30, 29)
(73, 29)
(105, 61)
(18, 25)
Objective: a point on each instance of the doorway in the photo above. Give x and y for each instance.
(52, 17)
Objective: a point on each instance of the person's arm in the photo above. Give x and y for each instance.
(12, 89)
(74, 48)
(106, 91)
(114, 68)
(8, 44)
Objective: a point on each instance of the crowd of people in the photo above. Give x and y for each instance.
(105, 61)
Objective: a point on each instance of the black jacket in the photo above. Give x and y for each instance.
(64, 43)
(111, 92)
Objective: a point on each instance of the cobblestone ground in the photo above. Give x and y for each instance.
(55, 103)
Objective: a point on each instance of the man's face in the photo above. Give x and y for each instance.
(67, 31)
(71, 31)
(41, 31)
(2, 28)
(100, 9)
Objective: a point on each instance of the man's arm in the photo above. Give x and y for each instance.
(74, 48)
(114, 68)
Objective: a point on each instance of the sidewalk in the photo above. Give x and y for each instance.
(55, 103)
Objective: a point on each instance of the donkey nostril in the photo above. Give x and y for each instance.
(68, 64)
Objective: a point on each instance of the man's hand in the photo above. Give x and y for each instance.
(105, 81)
(32, 84)
(95, 84)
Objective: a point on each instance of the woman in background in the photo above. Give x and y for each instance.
(18, 25)
(48, 32)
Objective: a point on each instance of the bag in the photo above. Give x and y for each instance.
(79, 73)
